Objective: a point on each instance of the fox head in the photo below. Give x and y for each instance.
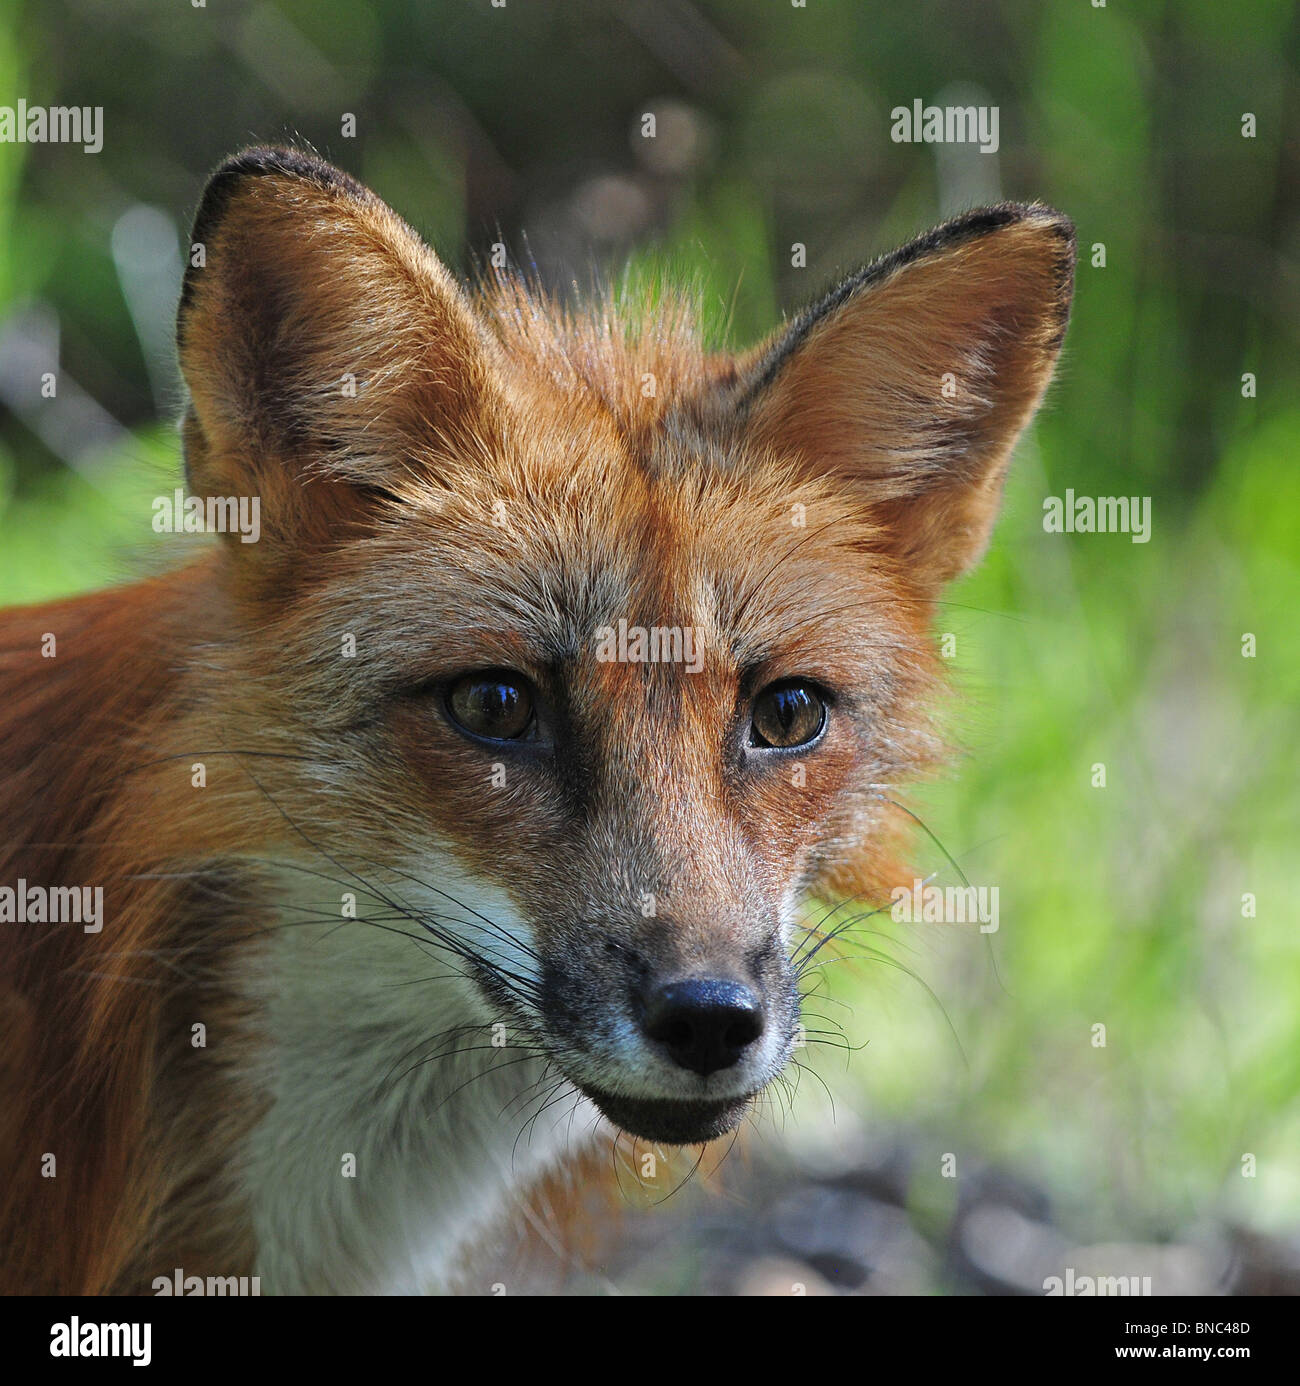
(632, 634)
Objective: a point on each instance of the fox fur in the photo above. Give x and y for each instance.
(323, 907)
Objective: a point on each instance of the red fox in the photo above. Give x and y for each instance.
(467, 813)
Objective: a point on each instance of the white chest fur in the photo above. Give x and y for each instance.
(397, 1131)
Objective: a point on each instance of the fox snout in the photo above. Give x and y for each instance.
(672, 1049)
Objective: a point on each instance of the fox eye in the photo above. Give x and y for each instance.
(496, 704)
(786, 714)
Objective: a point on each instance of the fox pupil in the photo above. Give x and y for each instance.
(492, 707)
(788, 715)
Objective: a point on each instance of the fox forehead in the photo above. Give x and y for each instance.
(527, 568)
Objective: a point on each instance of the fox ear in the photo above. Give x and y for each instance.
(912, 380)
(321, 340)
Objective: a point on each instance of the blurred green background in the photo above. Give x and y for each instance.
(1120, 906)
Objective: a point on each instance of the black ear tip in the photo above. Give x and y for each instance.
(1065, 256)
(967, 226)
(981, 221)
(259, 161)
(263, 161)
(1049, 219)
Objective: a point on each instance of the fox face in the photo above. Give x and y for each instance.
(588, 652)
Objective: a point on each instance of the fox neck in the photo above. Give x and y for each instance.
(396, 1132)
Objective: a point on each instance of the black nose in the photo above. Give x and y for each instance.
(705, 1024)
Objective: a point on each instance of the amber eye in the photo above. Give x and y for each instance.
(496, 704)
(788, 714)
